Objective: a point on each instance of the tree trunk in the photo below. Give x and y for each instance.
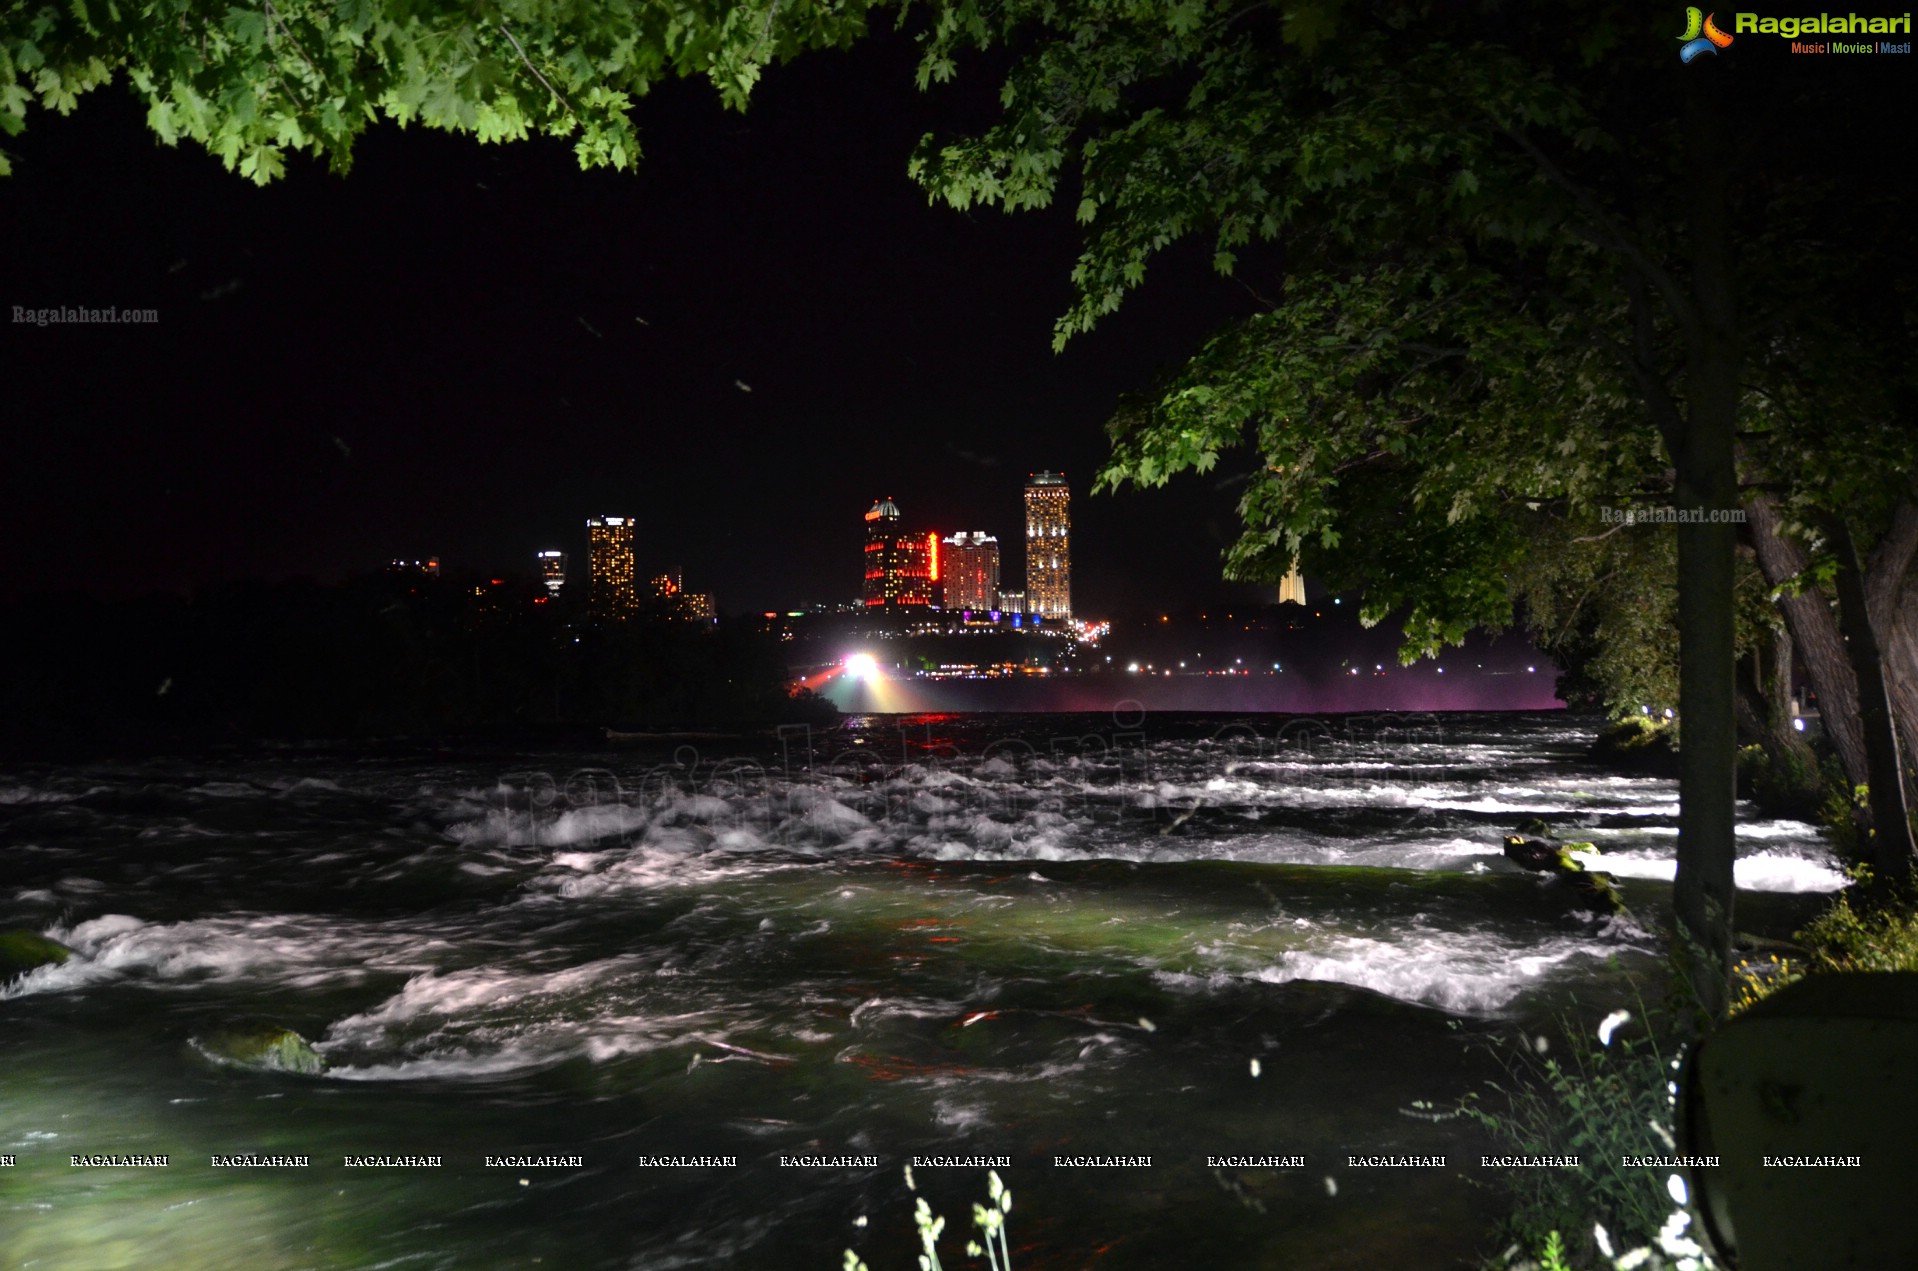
(1901, 675)
(1891, 597)
(1765, 715)
(1889, 848)
(1703, 890)
(1814, 632)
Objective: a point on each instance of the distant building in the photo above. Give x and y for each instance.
(1012, 602)
(610, 593)
(552, 570)
(1292, 586)
(427, 568)
(969, 567)
(898, 562)
(1048, 546)
(492, 603)
(697, 606)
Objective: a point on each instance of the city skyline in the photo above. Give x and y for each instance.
(657, 343)
(903, 563)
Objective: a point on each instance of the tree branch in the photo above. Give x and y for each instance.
(1619, 241)
(528, 62)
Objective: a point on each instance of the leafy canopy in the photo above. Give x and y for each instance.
(252, 82)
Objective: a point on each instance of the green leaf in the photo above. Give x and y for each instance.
(160, 119)
(248, 26)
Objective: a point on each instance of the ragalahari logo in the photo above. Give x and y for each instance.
(1710, 41)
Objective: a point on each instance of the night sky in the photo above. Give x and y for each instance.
(465, 351)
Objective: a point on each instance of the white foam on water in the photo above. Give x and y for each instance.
(310, 785)
(649, 867)
(228, 790)
(957, 1114)
(503, 827)
(19, 794)
(1761, 871)
(486, 1021)
(1470, 973)
(292, 950)
(679, 806)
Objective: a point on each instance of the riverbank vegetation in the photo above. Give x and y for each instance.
(1601, 1102)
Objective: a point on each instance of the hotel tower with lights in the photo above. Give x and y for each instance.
(552, 571)
(1049, 546)
(970, 567)
(610, 593)
(900, 566)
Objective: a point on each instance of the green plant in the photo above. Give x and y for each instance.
(1841, 813)
(1844, 938)
(990, 1218)
(1884, 938)
(1601, 1104)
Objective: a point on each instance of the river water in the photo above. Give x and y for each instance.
(732, 987)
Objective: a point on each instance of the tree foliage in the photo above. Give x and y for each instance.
(254, 82)
(1504, 268)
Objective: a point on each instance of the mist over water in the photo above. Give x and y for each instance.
(979, 935)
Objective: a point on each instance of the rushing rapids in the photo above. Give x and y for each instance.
(697, 1007)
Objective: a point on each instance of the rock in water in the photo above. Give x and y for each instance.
(24, 951)
(1534, 827)
(1533, 854)
(266, 1046)
(1557, 860)
(1638, 744)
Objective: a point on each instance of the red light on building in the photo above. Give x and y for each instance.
(932, 556)
(899, 566)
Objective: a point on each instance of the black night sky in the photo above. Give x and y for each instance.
(465, 351)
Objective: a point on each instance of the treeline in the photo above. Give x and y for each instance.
(377, 657)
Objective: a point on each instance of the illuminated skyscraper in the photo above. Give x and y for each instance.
(898, 563)
(552, 571)
(1048, 546)
(1292, 586)
(969, 566)
(611, 597)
